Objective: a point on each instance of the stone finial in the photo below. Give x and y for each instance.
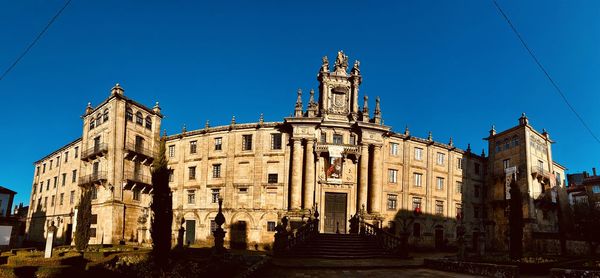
(164, 133)
(298, 107)
(523, 120)
(493, 130)
(356, 68)
(311, 100)
(233, 120)
(312, 105)
(545, 133)
(261, 119)
(156, 108)
(325, 64)
(207, 124)
(88, 108)
(451, 143)
(117, 90)
(482, 152)
(183, 129)
(469, 147)
(377, 113)
(430, 137)
(406, 131)
(365, 112)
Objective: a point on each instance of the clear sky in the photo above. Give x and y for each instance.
(450, 67)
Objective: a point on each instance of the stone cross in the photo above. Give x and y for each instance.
(50, 240)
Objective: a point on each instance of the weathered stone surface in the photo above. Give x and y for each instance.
(490, 270)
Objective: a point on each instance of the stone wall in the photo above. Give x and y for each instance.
(491, 270)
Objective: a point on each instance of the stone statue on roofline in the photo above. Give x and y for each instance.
(325, 65)
(341, 62)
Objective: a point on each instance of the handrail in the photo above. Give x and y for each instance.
(102, 147)
(386, 240)
(139, 149)
(138, 177)
(303, 233)
(101, 175)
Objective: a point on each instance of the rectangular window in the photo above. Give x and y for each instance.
(76, 152)
(45, 202)
(193, 146)
(418, 177)
(44, 169)
(66, 156)
(37, 171)
(270, 226)
(353, 139)
(476, 191)
(459, 210)
(246, 142)
(171, 175)
(136, 195)
(57, 161)
(392, 202)
(191, 194)
(477, 170)
(55, 181)
(94, 219)
(439, 207)
(439, 183)
(243, 190)
(338, 139)
(459, 163)
(418, 154)
(64, 179)
(215, 195)
(394, 149)
(216, 170)
(323, 137)
(272, 178)
(440, 158)
(52, 201)
(94, 193)
(172, 151)
(51, 164)
(596, 189)
(276, 141)
(47, 184)
(41, 186)
(506, 163)
(459, 187)
(72, 197)
(392, 175)
(192, 172)
(74, 176)
(540, 164)
(416, 203)
(62, 199)
(218, 144)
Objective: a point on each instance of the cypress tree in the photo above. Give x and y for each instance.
(162, 208)
(84, 219)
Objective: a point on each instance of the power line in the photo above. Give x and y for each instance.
(35, 40)
(539, 64)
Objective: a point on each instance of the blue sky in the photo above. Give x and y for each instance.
(450, 67)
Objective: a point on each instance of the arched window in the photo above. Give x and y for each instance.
(148, 122)
(515, 141)
(92, 123)
(129, 115)
(105, 116)
(139, 119)
(98, 119)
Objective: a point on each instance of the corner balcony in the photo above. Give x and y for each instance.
(95, 178)
(135, 152)
(539, 173)
(94, 152)
(138, 180)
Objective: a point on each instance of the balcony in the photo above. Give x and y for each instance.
(95, 178)
(541, 174)
(97, 150)
(347, 149)
(138, 180)
(136, 152)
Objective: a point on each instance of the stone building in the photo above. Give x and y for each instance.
(331, 155)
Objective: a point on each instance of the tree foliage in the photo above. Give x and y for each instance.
(162, 207)
(586, 220)
(84, 220)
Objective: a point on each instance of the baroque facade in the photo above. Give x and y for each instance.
(332, 156)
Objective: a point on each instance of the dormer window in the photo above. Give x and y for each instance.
(148, 122)
(139, 119)
(105, 115)
(129, 115)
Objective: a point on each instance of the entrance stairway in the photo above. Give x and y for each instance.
(338, 246)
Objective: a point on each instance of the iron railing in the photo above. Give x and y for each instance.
(136, 148)
(89, 153)
(93, 178)
(386, 240)
(138, 178)
(304, 233)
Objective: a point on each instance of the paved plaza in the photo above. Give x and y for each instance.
(348, 273)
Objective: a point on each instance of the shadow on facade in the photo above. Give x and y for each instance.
(238, 235)
(36, 235)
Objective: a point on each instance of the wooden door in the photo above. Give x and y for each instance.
(335, 212)
(190, 231)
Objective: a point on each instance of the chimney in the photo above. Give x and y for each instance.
(594, 171)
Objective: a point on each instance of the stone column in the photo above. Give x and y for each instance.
(296, 183)
(375, 186)
(309, 174)
(363, 181)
